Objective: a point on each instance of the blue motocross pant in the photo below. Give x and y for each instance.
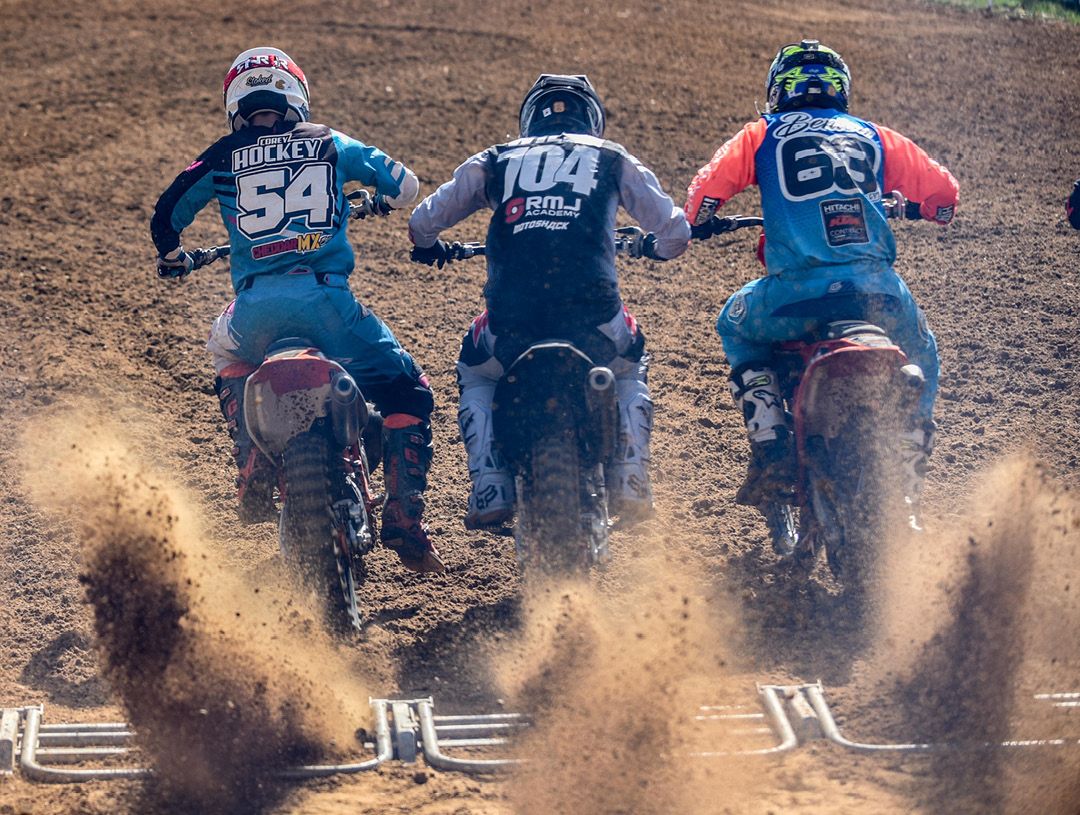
(773, 309)
(321, 308)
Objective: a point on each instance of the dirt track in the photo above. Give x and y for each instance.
(108, 101)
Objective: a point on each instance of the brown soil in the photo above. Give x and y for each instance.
(109, 100)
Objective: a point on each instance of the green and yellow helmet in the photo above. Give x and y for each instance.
(807, 75)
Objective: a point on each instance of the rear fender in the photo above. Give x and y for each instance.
(544, 391)
(289, 392)
(847, 374)
(842, 374)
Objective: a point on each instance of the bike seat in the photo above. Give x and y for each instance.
(288, 342)
(848, 328)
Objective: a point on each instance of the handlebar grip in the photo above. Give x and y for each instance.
(464, 251)
(718, 226)
(913, 211)
(722, 225)
(204, 257)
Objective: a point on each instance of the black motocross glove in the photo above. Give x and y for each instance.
(637, 243)
(648, 247)
(1072, 206)
(176, 265)
(380, 207)
(700, 232)
(714, 226)
(437, 254)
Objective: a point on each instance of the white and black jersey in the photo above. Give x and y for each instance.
(550, 242)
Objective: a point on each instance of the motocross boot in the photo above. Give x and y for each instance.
(771, 473)
(915, 449)
(407, 453)
(491, 501)
(629, 490)
(256, 477)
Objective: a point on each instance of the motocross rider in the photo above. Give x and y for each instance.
(554, 193)
(1072, 206)
(829, 254)
(278, 179)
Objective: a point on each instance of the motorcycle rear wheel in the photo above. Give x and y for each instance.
(308, 531)
(848, 502)
(550, 534)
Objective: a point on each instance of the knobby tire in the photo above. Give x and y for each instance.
(556, 545)
(308, 524)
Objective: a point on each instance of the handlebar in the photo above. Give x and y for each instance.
(362, 204)
(719, 226)
(204, 257)
(464, 251)
(625, 239)
(896, 207)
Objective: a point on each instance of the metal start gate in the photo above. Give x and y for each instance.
(784, 718)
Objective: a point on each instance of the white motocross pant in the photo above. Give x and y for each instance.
(627, 475)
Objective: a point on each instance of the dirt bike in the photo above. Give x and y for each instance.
(307, 415)
(556, 423)
(848, 390)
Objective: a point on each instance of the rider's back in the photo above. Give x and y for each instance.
(280, 190)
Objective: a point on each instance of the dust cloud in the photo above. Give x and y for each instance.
(992, 627)
(614, 677)
(225, 680)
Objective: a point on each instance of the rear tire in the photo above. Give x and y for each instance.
(850, 505)
(551, 539)
(308, 535)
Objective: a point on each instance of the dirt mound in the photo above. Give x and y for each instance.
(224, 682)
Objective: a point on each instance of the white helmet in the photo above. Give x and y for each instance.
(265, 79)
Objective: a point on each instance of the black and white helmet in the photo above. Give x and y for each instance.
(560, 103)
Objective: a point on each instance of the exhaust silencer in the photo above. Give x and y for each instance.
(600, 398)
(348, 410)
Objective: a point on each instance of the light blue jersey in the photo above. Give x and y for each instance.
(281, 193)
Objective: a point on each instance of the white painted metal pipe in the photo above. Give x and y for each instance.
(31, 768)
(816, 696)
(9, 729)
(436, 758)
(384, 747)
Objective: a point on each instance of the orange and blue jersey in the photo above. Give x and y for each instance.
(829, 252)
(822, 174)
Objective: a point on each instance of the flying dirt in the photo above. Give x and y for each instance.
(227, 680)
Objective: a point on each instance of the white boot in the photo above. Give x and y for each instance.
(914, 451)
(629, 491)
(771, 472)
(491, 502)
